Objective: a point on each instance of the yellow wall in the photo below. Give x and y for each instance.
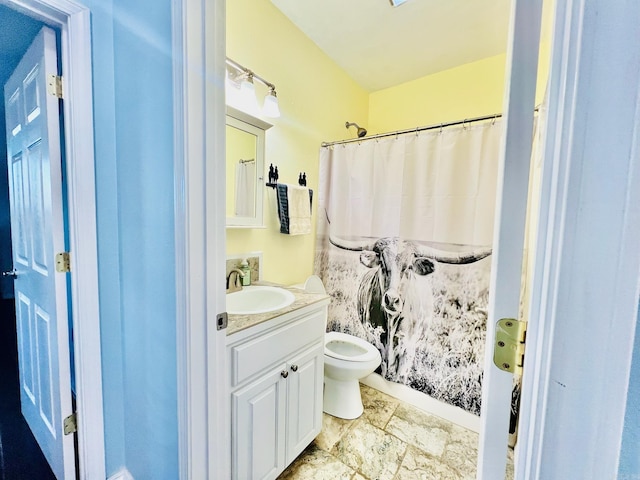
(316, 97)
(471, 90)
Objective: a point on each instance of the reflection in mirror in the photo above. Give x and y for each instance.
(241, 153)
(245, 138)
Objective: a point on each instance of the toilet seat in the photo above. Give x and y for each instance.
(369, 352)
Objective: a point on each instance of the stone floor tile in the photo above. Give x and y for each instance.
(462, 457)
(510, 466)
(418, 465)
(378, 406)
(370, 451)
(460, 434)
(430, 437)
(333, 429)
(420, 417)
(316, 464)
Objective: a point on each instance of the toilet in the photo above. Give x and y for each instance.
(347, 359)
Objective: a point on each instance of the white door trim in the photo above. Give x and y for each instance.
(73, 20)
(199, 106)
(509, 228)
(587, 269)
(535, 448)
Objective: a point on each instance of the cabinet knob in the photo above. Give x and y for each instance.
(294, 368)
(284, 374)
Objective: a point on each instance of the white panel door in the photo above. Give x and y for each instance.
(37, 224)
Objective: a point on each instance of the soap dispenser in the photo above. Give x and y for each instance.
(246, 279)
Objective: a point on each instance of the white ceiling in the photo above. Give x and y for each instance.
(381, 46)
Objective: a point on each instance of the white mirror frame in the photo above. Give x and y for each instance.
(250, 124)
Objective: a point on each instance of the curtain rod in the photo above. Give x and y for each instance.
(420, 129)
(415, 130)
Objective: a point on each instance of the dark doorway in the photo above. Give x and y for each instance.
(20, 455)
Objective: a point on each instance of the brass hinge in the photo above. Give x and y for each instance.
(508, 351)
(70, 424)
(63, 262)
(54, 85)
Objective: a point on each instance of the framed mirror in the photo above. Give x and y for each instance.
(245, 142)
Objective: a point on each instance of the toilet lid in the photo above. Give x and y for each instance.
(314, 284)
(343, 346)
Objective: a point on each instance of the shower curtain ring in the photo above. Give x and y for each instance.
(494, 119)
(441, 126)
(416, 131)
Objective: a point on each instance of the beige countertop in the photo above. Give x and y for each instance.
(237, 323)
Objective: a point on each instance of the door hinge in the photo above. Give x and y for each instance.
(63, 262)
(54, 85)
(508, 351)
(70, 424)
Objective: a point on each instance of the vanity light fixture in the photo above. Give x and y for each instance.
(396, 3)
(248, 94)
(242, 78)
(271, 108)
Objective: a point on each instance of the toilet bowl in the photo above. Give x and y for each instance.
(347, 359)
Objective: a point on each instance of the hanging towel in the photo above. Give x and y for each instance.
(294, 208)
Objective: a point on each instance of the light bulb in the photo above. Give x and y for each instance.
(248, 95)
(271, 108)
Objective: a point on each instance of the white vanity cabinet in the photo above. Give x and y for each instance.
(276, 381)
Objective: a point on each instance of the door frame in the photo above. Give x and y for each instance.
(204, 403)
(73, 21)
(585, 285)
(509, 228)
(199, 50)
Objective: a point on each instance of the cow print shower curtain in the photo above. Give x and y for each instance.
(404, 249)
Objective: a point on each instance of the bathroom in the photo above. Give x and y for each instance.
(316, 97)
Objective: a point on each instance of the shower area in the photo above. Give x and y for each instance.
(404, 243)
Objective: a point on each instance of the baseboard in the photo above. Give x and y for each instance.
(424, 402)
(122, 474)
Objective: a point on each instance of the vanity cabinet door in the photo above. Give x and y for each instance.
(258, 430)
(304, 400)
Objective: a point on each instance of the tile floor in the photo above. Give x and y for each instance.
(391, 440)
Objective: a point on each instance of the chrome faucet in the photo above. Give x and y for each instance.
(237, 281)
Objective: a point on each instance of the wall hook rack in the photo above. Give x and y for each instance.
(302, 179)
(273, 176)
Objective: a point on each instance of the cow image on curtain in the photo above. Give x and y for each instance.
(404, 249)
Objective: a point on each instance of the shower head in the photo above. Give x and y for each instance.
(361, 131)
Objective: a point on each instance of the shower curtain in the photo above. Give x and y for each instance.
(405, 227)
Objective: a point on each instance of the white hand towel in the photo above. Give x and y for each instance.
(299, 210)
(294, 208)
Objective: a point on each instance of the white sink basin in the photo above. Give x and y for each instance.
(258, 299)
